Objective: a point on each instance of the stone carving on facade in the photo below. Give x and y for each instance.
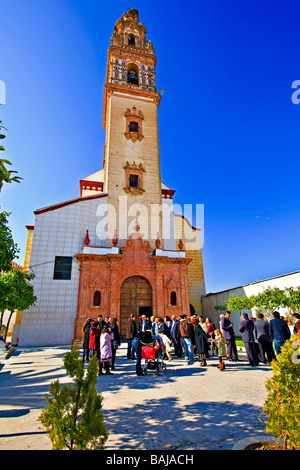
(131, 171)
(134, 122)
(97, 286)
(173, 287)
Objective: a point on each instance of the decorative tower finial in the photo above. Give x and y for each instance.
(87, 240)
(158, 242)
(133, 13)
(137, 227)
(115, 239)
(180, 245)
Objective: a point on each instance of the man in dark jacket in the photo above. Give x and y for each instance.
(261, 335)
(175, 334)
(86, 328)
(137, 352)
(279, 332)
(144, 325)
(100, 322)
(163, 328)
(228, 333)
(130, 334)
(246, 328)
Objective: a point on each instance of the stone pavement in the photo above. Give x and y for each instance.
(188, 407)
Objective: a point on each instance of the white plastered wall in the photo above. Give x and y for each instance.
(59, 232)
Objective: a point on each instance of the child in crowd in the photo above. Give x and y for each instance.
(221, 345)
(167, 344)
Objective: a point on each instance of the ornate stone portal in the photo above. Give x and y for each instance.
(110, 274)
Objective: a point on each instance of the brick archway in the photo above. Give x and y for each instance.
(136, 298)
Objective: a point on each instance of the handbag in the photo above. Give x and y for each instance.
(114, 344)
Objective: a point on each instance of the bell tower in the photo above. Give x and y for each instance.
(132, 177)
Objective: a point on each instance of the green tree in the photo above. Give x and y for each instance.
(270, 299)
(293, 298)
(5, 174)
(73, 418)
(16, 293)
(219, 308)
(8, 248)
(281, 407)
(2, 136)
(239, 304)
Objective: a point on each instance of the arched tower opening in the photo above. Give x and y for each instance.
(133, 74)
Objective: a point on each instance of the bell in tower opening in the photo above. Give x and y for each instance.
(133, 78)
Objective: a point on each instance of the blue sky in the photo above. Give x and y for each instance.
(228, 130)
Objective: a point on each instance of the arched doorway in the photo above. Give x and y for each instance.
(136, 298)
(192, 310)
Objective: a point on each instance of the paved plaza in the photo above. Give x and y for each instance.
(188, 407)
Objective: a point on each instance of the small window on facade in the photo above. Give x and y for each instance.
(150, 82)
(116, 61)
(134, 181)
(134, 127)
(97, 299)
(173, 298)
(131, 40)
(62, 267)
(149, 68)
(116, 75)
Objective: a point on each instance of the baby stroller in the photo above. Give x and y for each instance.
(152, 353)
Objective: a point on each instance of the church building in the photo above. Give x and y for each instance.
(117, 248)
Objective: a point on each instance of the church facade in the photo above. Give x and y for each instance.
(118, 248)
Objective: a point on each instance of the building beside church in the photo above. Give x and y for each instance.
(212, 300)
(118, 248)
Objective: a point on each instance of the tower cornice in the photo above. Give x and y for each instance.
(146, 53)
(128, 91)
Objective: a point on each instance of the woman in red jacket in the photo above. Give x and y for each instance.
(95, 341)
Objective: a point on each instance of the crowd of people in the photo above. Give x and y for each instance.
(101, 338)
(190, 337)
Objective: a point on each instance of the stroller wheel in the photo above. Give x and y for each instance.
(145, 371)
